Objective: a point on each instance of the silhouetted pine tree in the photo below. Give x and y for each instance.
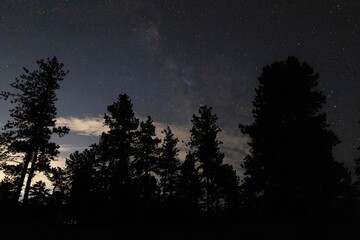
(291, 171)
(144, 165)
(169, 167)
(60, 185)
(205, 147)
(189, 192)
(229, 190)
(87, 193)
(120, 138)
(7, 190)
(33, 120)
(12, 175)
(118, 147)
(39, 194)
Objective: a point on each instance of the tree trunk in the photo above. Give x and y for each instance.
(28, 158)
(30, 176)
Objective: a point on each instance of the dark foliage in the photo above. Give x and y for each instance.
(144, 167)
(119, 142)
(291, 172)
(206, 151)
(190, 190)
(169, 168)
(117, 148)
(33, 120)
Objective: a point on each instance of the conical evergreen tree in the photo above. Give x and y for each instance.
(87, 190)
(205, 147)
(39, 194)
(229, 190)
(118, 147)
(168, 166)
(144, 166)
(189, 190)
(291, 171)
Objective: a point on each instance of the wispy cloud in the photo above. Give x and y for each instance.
(69, 148)
(59, 162)
(88, 126)
(235, 148)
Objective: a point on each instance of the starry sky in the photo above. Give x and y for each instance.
(170, 57)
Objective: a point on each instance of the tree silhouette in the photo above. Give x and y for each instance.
(33, 120)
(60, 180)
(206, 151)
(88, 190)
(228, 184)
(169, 166)
(120, 139)
(39, 194)
(12, 173)
(290, 170)
(189, 190)
(144, 165)
(117, 147)
(7, 190)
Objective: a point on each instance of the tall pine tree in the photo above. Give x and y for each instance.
(118, 147)
(88, 193)
(205, 149)
(189, 188)
(291, 171)
(145, 163)
(169, 166)
(34, 120)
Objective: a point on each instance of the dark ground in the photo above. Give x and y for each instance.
(283, 231)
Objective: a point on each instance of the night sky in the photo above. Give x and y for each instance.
(170, 57)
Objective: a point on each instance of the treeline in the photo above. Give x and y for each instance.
(132, 177)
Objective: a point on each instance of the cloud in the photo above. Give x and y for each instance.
(88, 126)
(69, 149)
(59, 162)
(235, 148)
